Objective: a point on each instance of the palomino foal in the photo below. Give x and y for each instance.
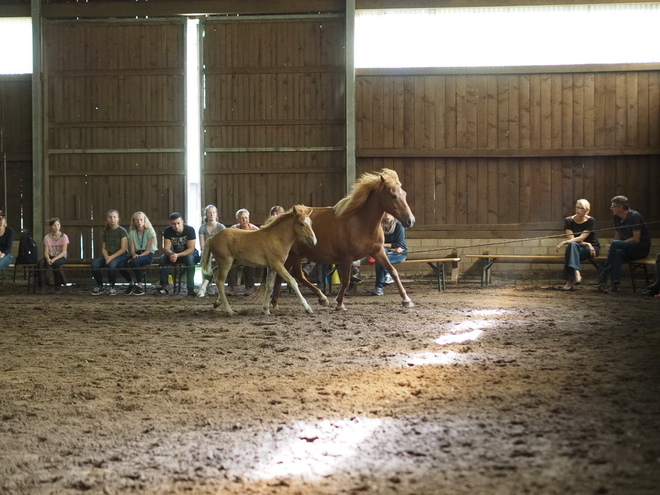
(268, 246)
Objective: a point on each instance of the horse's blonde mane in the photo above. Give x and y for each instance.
(276, 220)
(365, 185)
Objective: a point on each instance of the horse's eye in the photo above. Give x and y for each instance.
(394, 196)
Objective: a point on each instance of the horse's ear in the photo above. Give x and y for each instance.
(382, 177)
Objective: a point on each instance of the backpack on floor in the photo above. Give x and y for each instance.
(27, 250)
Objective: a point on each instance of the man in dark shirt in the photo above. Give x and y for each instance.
(632, 241)
(179, 249)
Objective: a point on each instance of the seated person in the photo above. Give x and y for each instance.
(581, 242)
(395, 247)
(243, 217)
(6, 242)
(632, 241)
(179, 247)
(55, 250)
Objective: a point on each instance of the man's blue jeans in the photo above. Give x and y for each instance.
(394, 258)
(189, 261)
(619, 253)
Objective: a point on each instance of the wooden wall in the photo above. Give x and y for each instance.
(274, 115)
(485, 154)
(114, 119)
(16, 149)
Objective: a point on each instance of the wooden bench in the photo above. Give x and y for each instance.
(438, 267)
(488, 260)
(177, 274)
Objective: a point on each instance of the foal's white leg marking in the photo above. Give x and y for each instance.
(292, 283)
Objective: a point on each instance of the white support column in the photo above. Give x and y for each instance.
(350, 95)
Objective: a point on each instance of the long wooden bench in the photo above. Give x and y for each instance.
(31, 270)
(488, 260)
(438, 267)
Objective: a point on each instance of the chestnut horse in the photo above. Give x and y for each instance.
(351, 230)
(268, 246)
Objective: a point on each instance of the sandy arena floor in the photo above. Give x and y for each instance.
(508, 390)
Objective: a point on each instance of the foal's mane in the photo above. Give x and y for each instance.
(365, 185)
(272, 222)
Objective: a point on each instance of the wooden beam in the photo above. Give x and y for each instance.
(530, 69)
(503, 153)
(192, 7)
(439, 4)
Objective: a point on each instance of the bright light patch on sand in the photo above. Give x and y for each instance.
(457, 339)
(313, 451)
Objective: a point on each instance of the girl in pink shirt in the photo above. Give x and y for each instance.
(55, 248)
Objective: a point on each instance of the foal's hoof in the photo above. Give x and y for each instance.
(408, 304)
(215, 305)
(309, 311)
(324, 302)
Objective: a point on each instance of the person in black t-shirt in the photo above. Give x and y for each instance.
(581, 242)
(632, 241)
(179, 248)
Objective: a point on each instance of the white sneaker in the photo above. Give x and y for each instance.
(201, 292)
(98, 291)
(112, 292)
(388, 280)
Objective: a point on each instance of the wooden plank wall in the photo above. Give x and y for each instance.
(481, 155)
(115, 112)
(16, 149)
(274, 116)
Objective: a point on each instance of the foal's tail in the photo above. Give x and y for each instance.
(206, 259)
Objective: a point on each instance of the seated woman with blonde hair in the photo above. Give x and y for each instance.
(581, 242)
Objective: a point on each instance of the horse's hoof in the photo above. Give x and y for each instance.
(341, 308)
(408, 304)
(324, 302)
(215, 305)
(309, 311)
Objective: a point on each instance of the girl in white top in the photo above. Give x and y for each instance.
(55, 251)
(141, 248)
(209, 228)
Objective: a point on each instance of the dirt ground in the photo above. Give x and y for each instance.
(504, 390)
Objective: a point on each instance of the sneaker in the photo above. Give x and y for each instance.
(98, 291)
(139, 291)
(163, 289)
(129, 290)
(388, 280)
(201, 292)
(378, 291)
(112, 292)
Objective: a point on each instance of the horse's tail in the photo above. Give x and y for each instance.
(260, 293)
(206, 258)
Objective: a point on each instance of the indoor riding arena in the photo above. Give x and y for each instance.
(491, 364)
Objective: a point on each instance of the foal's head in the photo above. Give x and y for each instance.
(303, 224)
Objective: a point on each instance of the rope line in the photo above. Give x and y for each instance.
(510, 241)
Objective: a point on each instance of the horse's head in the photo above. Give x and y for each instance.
(303, 224)
(393, 198)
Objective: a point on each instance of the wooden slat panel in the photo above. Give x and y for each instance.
(115, 86)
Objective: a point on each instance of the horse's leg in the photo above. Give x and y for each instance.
(275, 296)
(299, 274)
(381, 258)
(270, 281)
(220, 273)
(281, 271)
(345, 276)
